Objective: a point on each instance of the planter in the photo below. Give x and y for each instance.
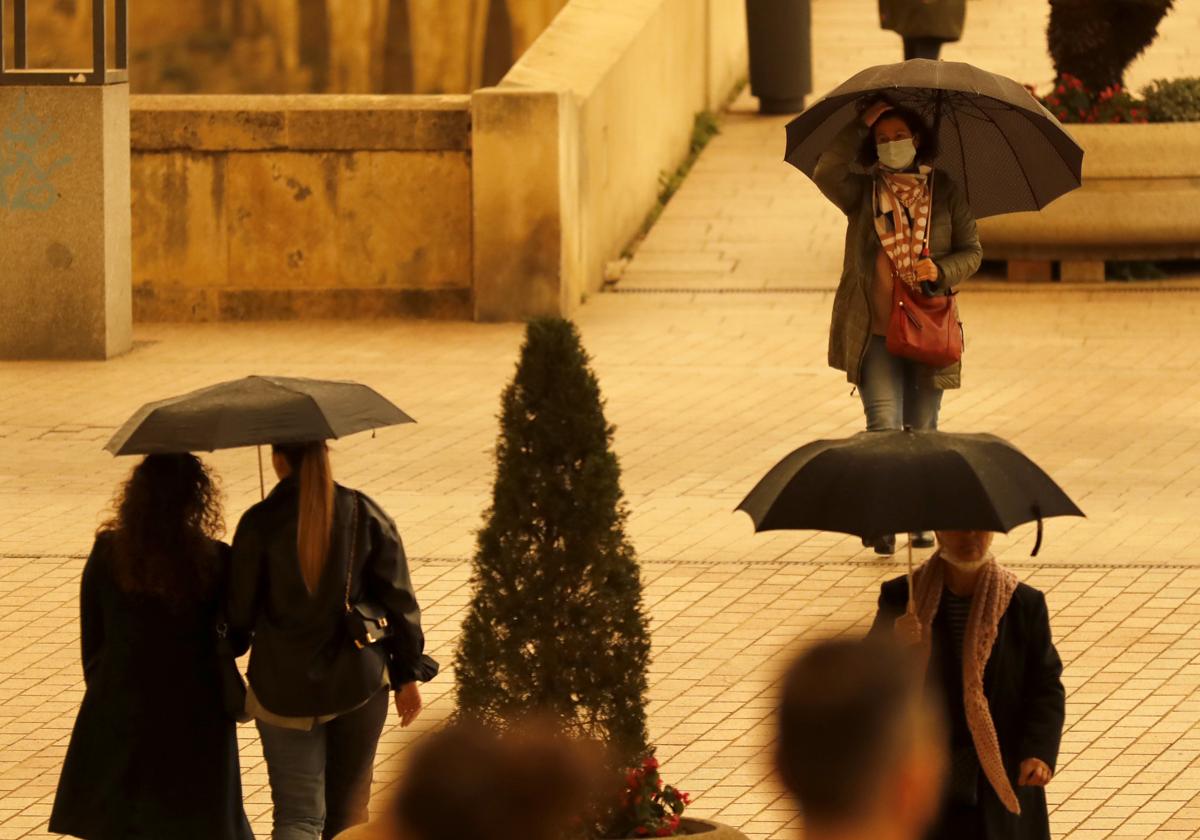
(780, 53)
(706, 829)
(710, 830)
(1140, 200)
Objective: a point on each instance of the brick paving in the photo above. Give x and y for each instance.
(707, 391)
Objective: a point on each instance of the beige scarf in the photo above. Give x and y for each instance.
(902, 204)
(993, 591)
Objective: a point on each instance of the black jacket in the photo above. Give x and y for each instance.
(152, 753)
(302, 661)
(1023, 685)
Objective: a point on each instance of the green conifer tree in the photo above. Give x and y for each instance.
(1096, 40)
(556, 625)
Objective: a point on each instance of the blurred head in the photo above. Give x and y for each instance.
(965, 549)
(163, 518)
(309, 463)
(859, 744)
(468, 783)
(896, 126)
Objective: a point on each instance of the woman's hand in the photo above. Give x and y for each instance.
(927, 271)
(1034, 773)
(908, 629)
(874, 112)
(408, 703)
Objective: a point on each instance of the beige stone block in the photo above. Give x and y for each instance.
(214, 123)
(404, 220)
(411, 123)
(282, 219)
(180, 231)
(64, 222)
(522, 143)
(1030, 271)
(1081, 271)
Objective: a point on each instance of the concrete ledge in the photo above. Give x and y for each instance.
(301, 122)
(185, 303)
(615, 87)
(1140, 199)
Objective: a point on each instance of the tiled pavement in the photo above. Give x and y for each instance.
(707, 390)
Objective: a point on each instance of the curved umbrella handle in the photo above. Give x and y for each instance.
(1037, 545)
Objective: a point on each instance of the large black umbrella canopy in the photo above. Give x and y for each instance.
(1004, 149)
(253, 411)
(877, 483)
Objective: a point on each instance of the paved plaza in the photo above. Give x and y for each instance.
(710, 352)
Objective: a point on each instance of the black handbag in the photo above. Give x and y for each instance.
(366, 621)
(233, 687)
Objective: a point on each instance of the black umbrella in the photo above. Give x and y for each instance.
(254, 411)
(1006, 152)
(898, 482)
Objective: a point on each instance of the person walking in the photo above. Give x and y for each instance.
(154, 753)
(985, 640)
(309, 563)
(861, 748)
(924, 24)
(906, 223)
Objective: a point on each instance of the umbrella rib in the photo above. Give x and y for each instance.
(962, 151)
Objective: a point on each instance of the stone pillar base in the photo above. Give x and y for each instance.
(65, 283)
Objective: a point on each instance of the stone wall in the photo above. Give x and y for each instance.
(570, 147)
(301, 206)
(303, 46)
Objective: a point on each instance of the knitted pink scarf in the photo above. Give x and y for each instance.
(993, 591)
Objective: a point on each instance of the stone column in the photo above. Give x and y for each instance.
(64, 222)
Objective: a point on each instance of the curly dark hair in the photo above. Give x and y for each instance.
(926, 150)
(164, 518)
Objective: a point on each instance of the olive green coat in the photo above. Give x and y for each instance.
(953, 246)
(941, 19)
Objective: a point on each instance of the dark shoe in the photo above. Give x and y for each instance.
(921, 539)
(885, 546)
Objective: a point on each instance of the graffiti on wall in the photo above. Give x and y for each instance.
(28, 161)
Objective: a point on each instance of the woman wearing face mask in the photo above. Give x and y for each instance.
(877, 172)
(984, 639)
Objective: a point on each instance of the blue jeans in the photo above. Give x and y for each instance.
(892, 396)
(321, 778)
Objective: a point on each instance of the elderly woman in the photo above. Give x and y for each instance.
(877, 172)
(984, 639)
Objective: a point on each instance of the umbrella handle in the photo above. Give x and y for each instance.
(262, 487)
(1037, 544)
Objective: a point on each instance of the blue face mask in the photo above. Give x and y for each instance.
(898, 154)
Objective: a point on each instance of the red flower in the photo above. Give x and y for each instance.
(651, 763)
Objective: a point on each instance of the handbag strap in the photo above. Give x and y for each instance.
(353, 550)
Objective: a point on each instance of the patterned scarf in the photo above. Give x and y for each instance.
(993, 591)
(902, 204)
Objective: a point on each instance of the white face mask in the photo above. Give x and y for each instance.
(898, 154)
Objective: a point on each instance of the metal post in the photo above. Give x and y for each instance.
(99, 40)
(20, 34)
(19, 73)
(121, 22)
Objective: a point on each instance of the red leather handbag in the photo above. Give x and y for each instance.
(924, 329)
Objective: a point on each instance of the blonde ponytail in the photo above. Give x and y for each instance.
(315, 528)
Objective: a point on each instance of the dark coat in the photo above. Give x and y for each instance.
(303, 661)
(953, 245)
(941, 19)
(1023, 685)
(152, 753)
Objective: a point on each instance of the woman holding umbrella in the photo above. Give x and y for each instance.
(902, 228)
(985, 642)
(313, 564)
